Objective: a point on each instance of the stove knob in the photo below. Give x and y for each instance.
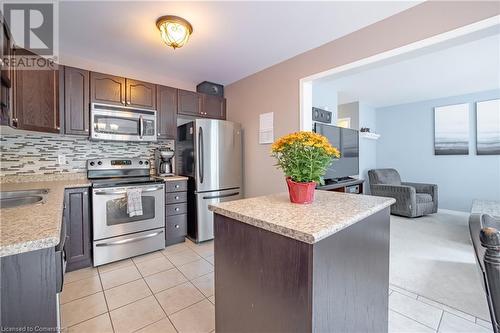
(146, 162)
(140, 162)
(92, 163)
(99, 163)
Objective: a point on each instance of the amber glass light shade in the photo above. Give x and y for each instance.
(174, 30)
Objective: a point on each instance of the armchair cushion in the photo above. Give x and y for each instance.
(423, 197)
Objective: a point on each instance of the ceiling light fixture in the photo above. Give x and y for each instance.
(175, 30)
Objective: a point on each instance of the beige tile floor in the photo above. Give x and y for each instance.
(165, 291)
(173, 291)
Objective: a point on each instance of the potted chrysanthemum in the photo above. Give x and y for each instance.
(304, 158)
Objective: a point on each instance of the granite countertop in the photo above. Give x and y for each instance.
(37, 226)
(173, 178)
(329, 213)
(490, 207)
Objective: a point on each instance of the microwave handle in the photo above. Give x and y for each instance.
(141, 126)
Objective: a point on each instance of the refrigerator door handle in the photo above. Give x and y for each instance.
(221, 196)
(200, 155)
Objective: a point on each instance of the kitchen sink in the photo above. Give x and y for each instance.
(10, 199)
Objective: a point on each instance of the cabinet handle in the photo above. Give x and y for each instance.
(14, 122)
(58, 128)
(123, 102)
(86, 130)
(177, 186)
(177, 226)
(176, 209)
(177, 198)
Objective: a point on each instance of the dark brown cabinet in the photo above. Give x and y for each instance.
(166, 114)
(77, 216)
(36, 100)
(214, 107)
(107, 89)
(140, 94)
(6, 74)
(115, 90)
(189, 103)
(176, 211)
(76, 101)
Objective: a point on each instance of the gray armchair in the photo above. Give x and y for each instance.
(412, 199)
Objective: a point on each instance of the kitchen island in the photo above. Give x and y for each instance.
(283, 267)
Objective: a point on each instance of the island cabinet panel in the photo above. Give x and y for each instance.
(166, 112)
(77, 216)
(29, 291)
(141, 94)
(36, 99)
(214, 107)
(189, 103)
(76, 101)
(280, 284)
(107, 89)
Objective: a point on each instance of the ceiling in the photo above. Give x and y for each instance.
(469, 67)
(231, 40)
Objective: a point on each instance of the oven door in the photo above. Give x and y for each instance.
(109, 212)
(122, 124)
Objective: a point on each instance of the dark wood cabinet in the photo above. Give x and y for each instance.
(77, 216)
(107, 89)
(214, 107)
(6, 45)
(176, 211)
(36, 100)
(140, 94)
(189, 103)
(76, 101)
(166, 115)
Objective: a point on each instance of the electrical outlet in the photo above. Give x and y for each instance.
(61, 159)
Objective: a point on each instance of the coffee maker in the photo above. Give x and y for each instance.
(164, 162)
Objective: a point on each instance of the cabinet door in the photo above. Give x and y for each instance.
(141, 94)
(214, 107)
(107, 89)
(76, 101)
(36, 100)
(77, 215)
(189, 103)
(167, 112)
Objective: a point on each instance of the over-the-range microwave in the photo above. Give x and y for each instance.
(121, 123)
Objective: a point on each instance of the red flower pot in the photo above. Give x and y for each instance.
(301, 193)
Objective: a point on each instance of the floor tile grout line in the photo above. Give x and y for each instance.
(107, 305)
(404, 315)
(79, 298)
(158, 302)
(440, 321)
(184, 308)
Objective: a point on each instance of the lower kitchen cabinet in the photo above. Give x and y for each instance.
(176, 212)
(79, 239)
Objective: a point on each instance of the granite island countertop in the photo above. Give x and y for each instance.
(36, 226)
(328, 214)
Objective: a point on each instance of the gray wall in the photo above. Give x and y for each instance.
(367, 147)
(350, 110)
(407, 144)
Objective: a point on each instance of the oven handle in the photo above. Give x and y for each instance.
(104, 192)
(141, 126)
(130, 240)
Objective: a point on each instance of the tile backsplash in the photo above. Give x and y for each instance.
(30, 153)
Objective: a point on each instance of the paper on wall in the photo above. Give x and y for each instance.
(266, 128)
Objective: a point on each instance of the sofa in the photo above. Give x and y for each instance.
(412, 199)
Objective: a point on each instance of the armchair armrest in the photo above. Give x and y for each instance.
(422, 188)
(406, 199)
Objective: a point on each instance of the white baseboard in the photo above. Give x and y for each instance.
(453, 212)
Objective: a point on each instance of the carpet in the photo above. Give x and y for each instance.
(433, 256)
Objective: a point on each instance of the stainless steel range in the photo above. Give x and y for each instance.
(117, 233)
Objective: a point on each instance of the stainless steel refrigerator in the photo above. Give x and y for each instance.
(209, 152)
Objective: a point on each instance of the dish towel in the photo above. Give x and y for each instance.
(134, 202)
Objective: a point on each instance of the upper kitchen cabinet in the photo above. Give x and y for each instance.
(141, 94)
(214, 107)
(115, 90)
(76, 101)
(107, 89)
(189, 103)
(167, 112)
(36, 100)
